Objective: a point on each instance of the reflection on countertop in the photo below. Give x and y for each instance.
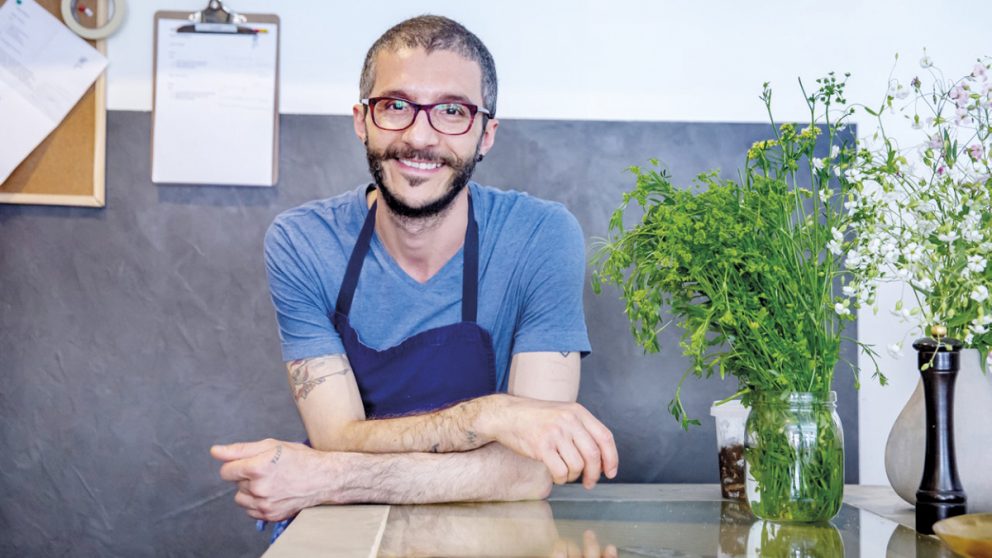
(613, 520)
(658, 529)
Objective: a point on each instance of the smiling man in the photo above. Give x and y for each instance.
(432, 327)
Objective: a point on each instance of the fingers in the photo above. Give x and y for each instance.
(590, 545)
(556, 466)
(574, 444)
(573, 460)
(242, 450)
(245, 500)
(595, 443)
(244, 469)
(591, 457)
(604, 440)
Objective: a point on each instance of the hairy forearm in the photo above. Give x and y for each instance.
(459, 428)
(490, 473)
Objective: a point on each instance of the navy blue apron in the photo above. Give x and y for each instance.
(432, 369)
(427, 371)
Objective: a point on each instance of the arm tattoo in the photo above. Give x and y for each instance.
(471, 437)
(275, 458)
(301, 381)
(565, 353)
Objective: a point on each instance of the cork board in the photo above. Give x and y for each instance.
(67, 168)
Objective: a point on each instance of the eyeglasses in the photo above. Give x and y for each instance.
(450, 118)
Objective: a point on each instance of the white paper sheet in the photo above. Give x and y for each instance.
(44, 70)
(214, 106)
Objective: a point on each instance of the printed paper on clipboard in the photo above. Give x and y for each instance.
(215, 117)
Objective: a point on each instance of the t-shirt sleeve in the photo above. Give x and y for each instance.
(305, 327)
(552, 316)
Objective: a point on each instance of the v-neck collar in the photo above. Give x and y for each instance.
(378, 248)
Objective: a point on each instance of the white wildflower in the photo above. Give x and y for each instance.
(889, 252)
(971, 233)
(842, 309)
(853, 175)
(901, 312)
(817, 163)
(849, 290)
(924, 283)
(980, 71)
(949, 236)
(926, 62)
(968, 339)
(980, 293)
(913, 252)
(825, 195)
(976, 263)
(898, 90)
(836, 244)
(834, 151)
(895, 350)
(854, 259)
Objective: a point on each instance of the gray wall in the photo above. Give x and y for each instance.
(134, 337)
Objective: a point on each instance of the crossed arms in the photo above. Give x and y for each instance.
(496, 447)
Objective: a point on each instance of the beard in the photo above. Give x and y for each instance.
(462, 168)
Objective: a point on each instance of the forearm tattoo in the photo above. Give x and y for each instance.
(275, 458)
(306, 375)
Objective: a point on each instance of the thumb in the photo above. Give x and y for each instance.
(242, 450)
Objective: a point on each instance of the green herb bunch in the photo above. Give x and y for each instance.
(744, 266)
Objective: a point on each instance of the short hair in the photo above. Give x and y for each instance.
(434, 33)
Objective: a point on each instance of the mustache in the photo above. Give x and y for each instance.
(398, 152)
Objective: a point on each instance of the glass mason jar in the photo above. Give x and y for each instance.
(794, 457)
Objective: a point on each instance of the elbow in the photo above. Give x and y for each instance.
(534, 486)
(544, 489)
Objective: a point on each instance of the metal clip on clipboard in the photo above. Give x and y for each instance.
(216, 18)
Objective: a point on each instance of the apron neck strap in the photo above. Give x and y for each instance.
(470, 269)
(470, 272)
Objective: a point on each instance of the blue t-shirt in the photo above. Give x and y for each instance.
(531, 273)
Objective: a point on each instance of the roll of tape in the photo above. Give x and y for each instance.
(95, 33)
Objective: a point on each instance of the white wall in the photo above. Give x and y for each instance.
(628, 60)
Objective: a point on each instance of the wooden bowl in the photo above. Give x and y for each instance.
(969, 535)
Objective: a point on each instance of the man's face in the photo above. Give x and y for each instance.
(420, 170)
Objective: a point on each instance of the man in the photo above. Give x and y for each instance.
(407, 307)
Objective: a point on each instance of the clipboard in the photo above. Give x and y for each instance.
(215, 98)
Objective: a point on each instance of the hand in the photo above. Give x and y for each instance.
(590, 548)
(566, 437)
(274, 478)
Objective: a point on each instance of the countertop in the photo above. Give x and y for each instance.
(672, 520)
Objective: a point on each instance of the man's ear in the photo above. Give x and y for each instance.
(358, 115)
(488, 136)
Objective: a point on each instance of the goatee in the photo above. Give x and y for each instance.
(463, 170)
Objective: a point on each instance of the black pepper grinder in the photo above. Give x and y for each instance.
(940, 494)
